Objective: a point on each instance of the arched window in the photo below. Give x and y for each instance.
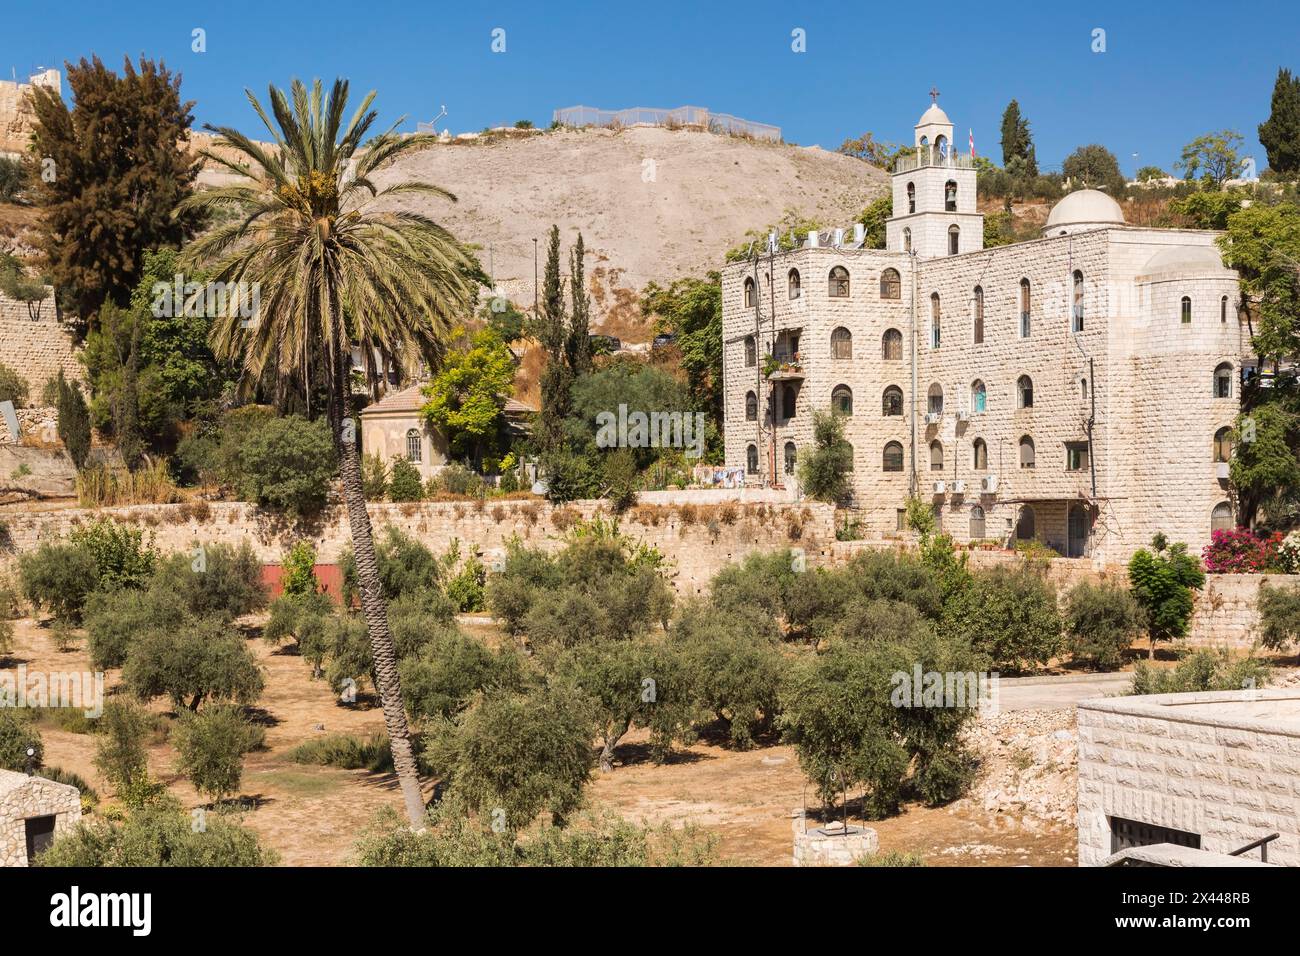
(1076, 313)
(790, 454)
(1024, 392)
(979, 455)
(1223, 309)
(954, 240)
(907, 239)
(891, 345)
(911, 198)
(1223, 381)
(751, 407)
(978, 396)
(936, 455)
(788, 402)
(934, 399)
(976, 523)
(891, 286)
(1025, 323)
(1223, 444)
(1083, 389)
(935, 321)
(841, 343)
(978, 317)
(1186, 310)
(792, 283)
(838, 284)
(1025, 524)
(1221, 517)
(749, 293)
(950, 196)
(751, 351)
(414, 447)
(892, 402)
(751, 459)
(893, 458)
(842, 399)
(1026, 452)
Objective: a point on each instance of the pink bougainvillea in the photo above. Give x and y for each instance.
(1241, 551)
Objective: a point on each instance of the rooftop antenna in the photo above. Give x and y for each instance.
(429, 127)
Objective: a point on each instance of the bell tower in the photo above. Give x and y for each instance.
(934, 193)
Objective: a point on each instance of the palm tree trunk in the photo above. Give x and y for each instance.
(373, 606)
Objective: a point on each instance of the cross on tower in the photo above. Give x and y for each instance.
(934, 95)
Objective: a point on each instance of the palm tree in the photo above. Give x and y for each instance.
(333, 272)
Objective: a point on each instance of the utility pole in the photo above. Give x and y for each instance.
(534, 280)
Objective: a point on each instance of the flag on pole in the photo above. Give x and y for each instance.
(972, 142)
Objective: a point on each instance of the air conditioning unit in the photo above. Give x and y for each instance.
(959, 487)
(989, 484)
(940, 487)
(1221, 470)
(963, 415)
(933, 418)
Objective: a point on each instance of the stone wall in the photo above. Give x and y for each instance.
(1224, 766)
(37, 349)
(697, 539)
(23, 797)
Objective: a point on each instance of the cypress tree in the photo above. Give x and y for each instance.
(1280, 133)
(74, 422)
(579, 347)
(552, 332)
(1017, 141)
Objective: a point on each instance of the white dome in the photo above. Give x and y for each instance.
(1087, 207)
(934, 115)
(1199, 259)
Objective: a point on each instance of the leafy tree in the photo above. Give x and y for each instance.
(641, 388)
(120, 753)
(16, 285)
(109, 174)
(13, 179)
(1101, 620)
(1265, 470)
(1009, 615)
(404, 481)
(306, 618)
(1147, 173)
(874, 218)
(1263, 245)
(299, 567)
(1280, 133)
(13, 387)
(1279, 615)
(467, 398)
(1215, 157)
(58, 577)
(443, 677)
(348, 271)
(1163, 580)
(73, 422)
(17, 736)
(217, 580)
(824, 471)
(205, 660)
(871, 150)
(162, 835)
(114, 619)
(122, 558)
(1208, 209)
(1095, 167)
(405, 566)
(512, 756)
(1017, 141)
(691, 309)
(287, 464)
(211, 745)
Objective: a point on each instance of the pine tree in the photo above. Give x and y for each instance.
(1017, 141)
(579, 346)
(109, 174)
(1280, 133)
(552, 332)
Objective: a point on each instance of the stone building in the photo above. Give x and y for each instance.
(1075, 389)
(33, 811)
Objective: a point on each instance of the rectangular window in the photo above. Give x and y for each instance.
(900, 520)
(1133, 833)
(1076, 456)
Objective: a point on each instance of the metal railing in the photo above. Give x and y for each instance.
(931, 156)
(697, 116)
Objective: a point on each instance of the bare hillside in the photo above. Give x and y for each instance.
(651, 203)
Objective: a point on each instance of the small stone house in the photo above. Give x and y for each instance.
(394, 426)
(33, 811)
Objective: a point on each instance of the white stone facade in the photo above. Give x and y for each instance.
(28, 801)
(1105, 341)
(1222, 768)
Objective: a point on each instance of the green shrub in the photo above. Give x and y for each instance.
(300, 617)
(116, 619)
(443, 677)
(404, 481)
(455, 479)
(211, 745)
(13, 387)
(1101, 621)
(58, 577)
(824, 470)
(213, 580)
(405, 565)
(1279, 616)
(122, 558)
(159, 835)
(374, 477)
(1010, 615)
(465, 589)
(346, 753)
(891, 858)
(1201, 670)
(286, 465)
(17, 736)
(121, 754)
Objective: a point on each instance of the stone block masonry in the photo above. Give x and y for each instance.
(37, 348)
(698, 540)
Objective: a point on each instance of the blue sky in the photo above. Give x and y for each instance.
(1166, 75)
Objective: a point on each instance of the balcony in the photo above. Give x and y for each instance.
(783, 366)
(932, 157)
